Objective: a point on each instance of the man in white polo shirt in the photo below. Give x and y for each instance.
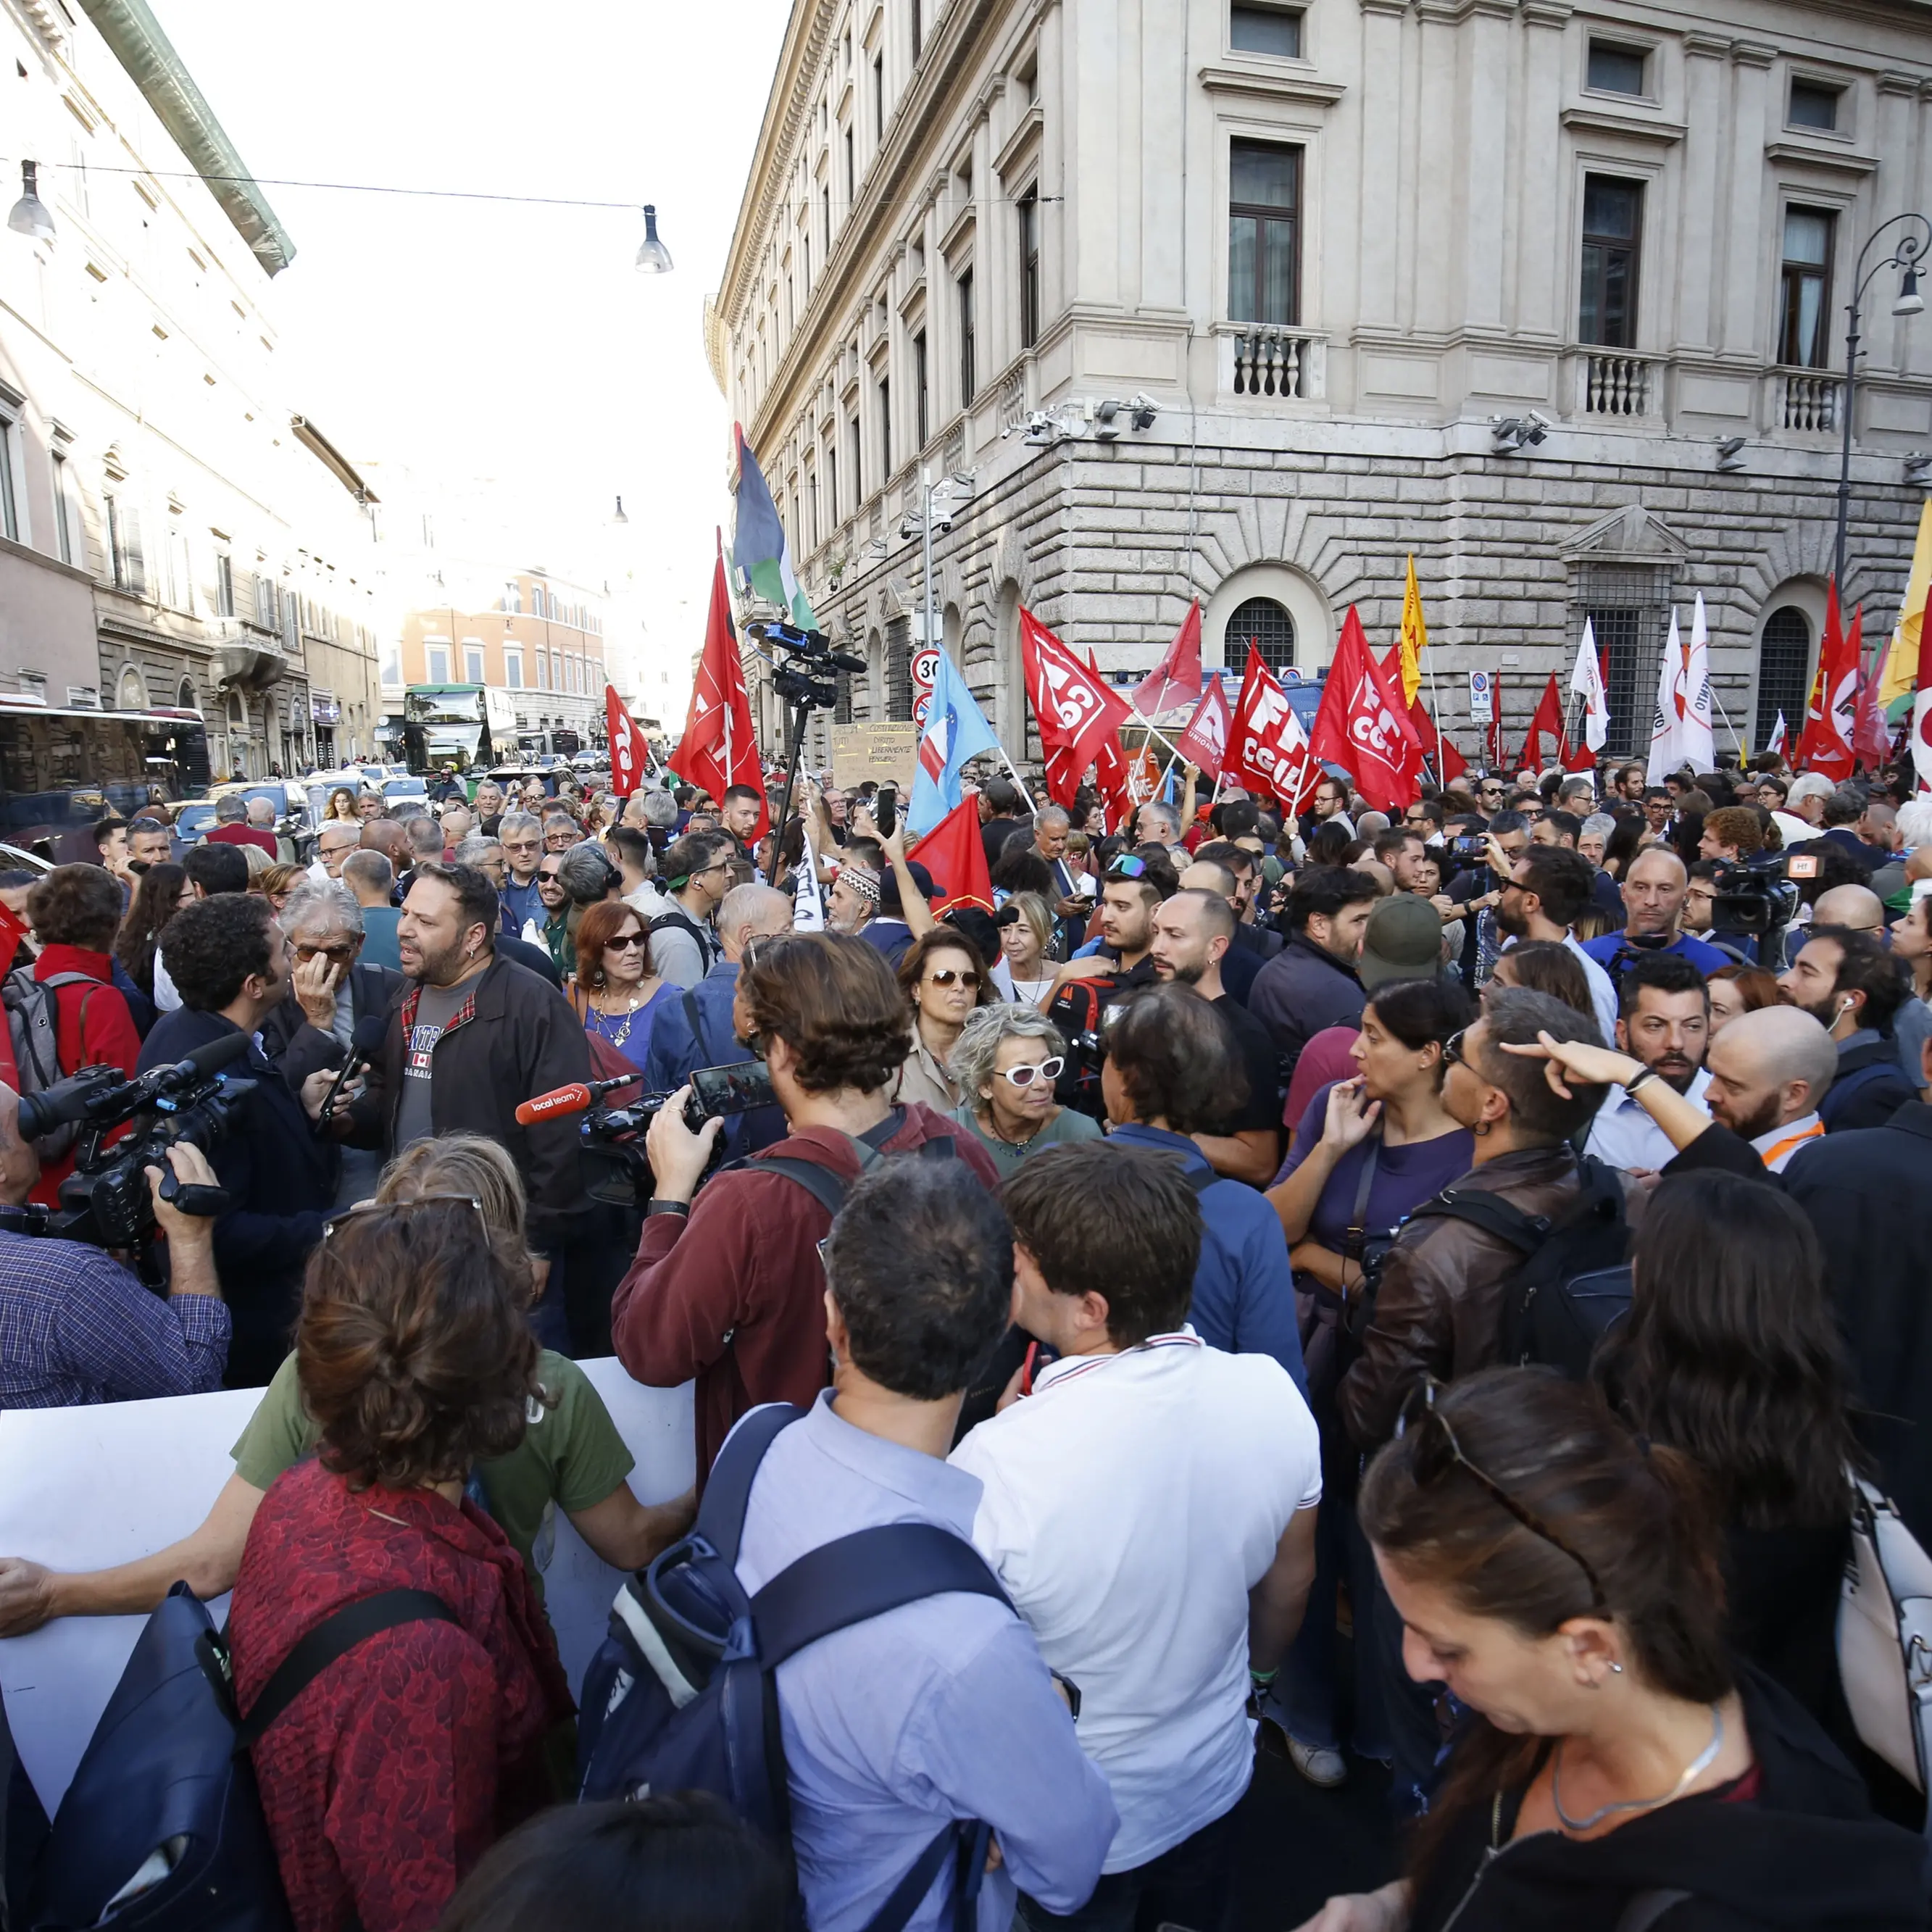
(1149, 1507)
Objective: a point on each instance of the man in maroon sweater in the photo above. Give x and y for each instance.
(731, 1290)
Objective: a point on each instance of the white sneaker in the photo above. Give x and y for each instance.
(1321, 1765)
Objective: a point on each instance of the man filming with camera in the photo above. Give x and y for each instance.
(77, 1327)
(729, 1289)
(230, 962)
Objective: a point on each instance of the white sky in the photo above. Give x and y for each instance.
(510, 356)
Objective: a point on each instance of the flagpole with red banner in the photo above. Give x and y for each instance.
(719, 747)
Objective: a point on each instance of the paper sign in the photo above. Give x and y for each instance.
(886, 754)
(89, 1487)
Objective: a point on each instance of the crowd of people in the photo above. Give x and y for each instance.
(1186, 1233)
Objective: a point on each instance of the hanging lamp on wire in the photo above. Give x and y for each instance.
(653, 257)
(29, 215)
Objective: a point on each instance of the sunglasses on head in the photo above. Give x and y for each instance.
(1437, 1451)
(1126, 866)
(362, 1207)
(1048, 1069)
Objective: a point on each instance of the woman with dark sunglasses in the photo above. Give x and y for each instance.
(1005, 1063)
(943, 978)
(1619, 1768)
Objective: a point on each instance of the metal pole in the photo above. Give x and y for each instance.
(1845, 447)
(926, 535)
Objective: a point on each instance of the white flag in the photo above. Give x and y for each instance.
(1777, 734)
(1663, 727)
(808, 908)
(1587, 681)
(1697, 746)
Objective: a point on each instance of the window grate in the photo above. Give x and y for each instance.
(1262, 621)
(1628, 609)
(1783, 673)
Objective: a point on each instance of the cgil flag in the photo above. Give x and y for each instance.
(1663, 725)
(719, 747)
(1363, 726)
(630, 750)
(1778, 733)
(759, 552)
(1825, 744)
(1176, 680)
(1696, 745)
(1414, 637)
(1921, 704)
(1586, 681)
(955, 730)
(1266, 749)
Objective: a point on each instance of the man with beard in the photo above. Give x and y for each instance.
(1853, 986)
(1134, 888)
(1549, 886)
(1664, 1021)
(1311, 982)
(1769, 1071)
(1193, 931)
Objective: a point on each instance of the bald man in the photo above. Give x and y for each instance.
(1653, 891)
(1856, 908)
(1769, 1070)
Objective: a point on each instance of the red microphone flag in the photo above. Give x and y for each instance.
(720, 747)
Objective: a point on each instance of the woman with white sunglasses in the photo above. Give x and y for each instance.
(1006, 1062)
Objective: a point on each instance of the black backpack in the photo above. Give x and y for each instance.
(1574, 1285)
(709, 950)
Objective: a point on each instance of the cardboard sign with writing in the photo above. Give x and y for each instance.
(886, 754)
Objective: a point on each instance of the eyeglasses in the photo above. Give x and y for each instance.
(1431, 1465)
(549, 878)
(1452, 1048)
(1126, 866)
(947, 975)
(336, 1221)
(624, 941)
(1025, 1076)
(759, 946)
(343, 951)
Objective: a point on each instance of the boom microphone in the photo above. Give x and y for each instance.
(574, 1098)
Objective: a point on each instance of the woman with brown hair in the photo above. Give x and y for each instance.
(1561, 1578)
(1542, 966)
(392, 1773)
(615, 992)
(1739, 989)
(163, 890)
(943, 978)
(341, 807)
(278, 882)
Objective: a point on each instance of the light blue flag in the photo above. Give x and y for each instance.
(955, 731)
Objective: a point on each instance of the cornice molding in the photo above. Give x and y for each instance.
(1259, 82)
(1625, 126)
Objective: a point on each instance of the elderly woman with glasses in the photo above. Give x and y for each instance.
(615, 992)
(943, 978)
(1005, 1062)
(1562, 1579)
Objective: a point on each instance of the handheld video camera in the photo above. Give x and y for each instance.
(105, 1200)
(613, 1138)
(1759, 899)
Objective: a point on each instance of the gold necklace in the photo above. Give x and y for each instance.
(623, 1034)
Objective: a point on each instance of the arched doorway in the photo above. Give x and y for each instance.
(185, 697)
(1263, 622)
(131, 693)
(1783, 672)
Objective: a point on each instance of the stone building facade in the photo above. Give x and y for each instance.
(1247, 301)
(172, 534)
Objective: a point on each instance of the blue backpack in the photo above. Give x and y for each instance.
(683, 1694)
(161, 1830)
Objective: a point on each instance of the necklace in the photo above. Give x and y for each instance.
(620, 1035)
(1027, 1140)
(1694, 1770)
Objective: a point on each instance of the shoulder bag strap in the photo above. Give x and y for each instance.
(824, 1187)
(857, 1577)
(1353, 1240)
(1492, 1213)
(1646, 1908)
(907, 1896)
(695, 1020)
(335, 1637)
(720, 1517)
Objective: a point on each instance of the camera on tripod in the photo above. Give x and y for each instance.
(105, 1200)
(613, 1138)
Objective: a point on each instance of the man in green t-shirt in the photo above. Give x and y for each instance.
(570, 1456)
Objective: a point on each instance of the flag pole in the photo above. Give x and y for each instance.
(1012, 771)
(1737, 737)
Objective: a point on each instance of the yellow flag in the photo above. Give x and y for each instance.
(1415, 633)
(1901, 662)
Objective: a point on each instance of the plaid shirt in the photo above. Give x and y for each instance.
(75, 1326)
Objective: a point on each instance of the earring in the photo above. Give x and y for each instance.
(1618, 1668)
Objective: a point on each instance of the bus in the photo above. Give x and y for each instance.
(455, 724)
(60, 770)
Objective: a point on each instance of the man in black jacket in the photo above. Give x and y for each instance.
(472, 1037)
(1311, 982)
(229, 961)
(1853, 987)
(1868, 1192)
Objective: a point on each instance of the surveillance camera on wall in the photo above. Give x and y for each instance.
(1512, 434)
(1730, 453)
(1144, 409)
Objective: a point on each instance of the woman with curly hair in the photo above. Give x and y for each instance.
(389, 1775)
(341, 807)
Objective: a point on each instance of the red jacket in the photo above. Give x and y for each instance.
(105, 1037)
(735, 1296)
(393, 1772)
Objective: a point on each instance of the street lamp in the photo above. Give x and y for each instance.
(29, 214)
(653, 257)
(1906, 258)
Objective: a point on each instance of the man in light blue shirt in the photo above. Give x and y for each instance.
(942, 1708)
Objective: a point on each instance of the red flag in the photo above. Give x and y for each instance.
(1871, 738)
(1496, 734)
(12, 930)
(956, 855)
(1920, 737)
(1073, 706)
(1204, 741)
(1363, 727)
(1267, 749)
(1825, 746)
(1547, 722)
(630, 754)
(1390, 667)
(719, 747)
(1176, 680)
(1440, 751)
(1110, 775)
